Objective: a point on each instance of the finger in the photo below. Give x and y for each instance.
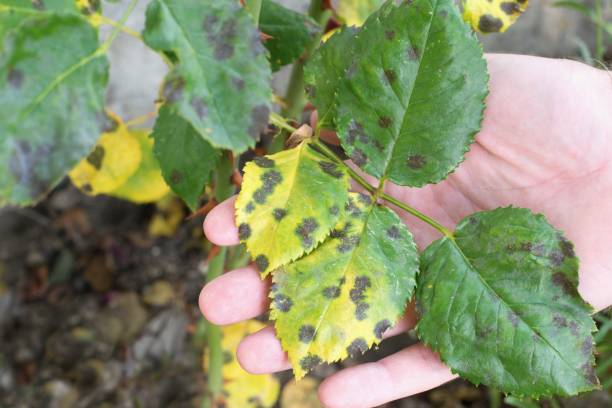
(410, 371)
(220, 224)
(261, 352)
(235, 296)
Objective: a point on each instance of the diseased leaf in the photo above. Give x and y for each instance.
(114, 158)
(240, 388)
(52, 85)
(146, 184)
(338, 300)
(186, 159)
(410, 106)
(220, 82)
(355, 12)
(291, 32)
(500, 305)
(492, 16)
(289, 202)
(325, 69)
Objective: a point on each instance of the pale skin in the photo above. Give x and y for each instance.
(545, 144)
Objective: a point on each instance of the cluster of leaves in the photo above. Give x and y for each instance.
(497, 297)
(405, 92)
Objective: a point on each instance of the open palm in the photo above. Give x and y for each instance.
(545, 144)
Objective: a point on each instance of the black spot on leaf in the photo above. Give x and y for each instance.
(331, 292)
(96, 157)
(238, 83)
(489, 24)
(199, 107)
(279, 213)
(381, 327)
(589, 373)
(390, 75)
(224, 48)
(310, 361)
(305, 229)
(393, 232)
(573, 328)
(559, 321)
(334, 210)
(306, 333)
(356, 132)
(567, 248)
(510, 7)
(556, 258)
(259, 120)
(347, 243)
(244, 231)
(249, 207)
(331, 169)
(357, 346)
(359, 157)
(513, 317)
(15, 78)
(361, 311)
(38, 4)
(365, 199)
(282, 302)
(412, 53)
(587, 347)
(389, 34)
(262, 262)
(263, 162)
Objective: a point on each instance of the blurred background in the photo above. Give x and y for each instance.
(98, 296)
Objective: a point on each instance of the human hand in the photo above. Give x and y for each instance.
(545, 144)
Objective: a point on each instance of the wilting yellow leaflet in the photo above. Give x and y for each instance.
(113, 160)
(338, 300)
(289, 203)
(146, 184)
(355, 12)
(492, 16)
(240, 388)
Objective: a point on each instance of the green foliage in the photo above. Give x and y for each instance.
(409, 107)
(499, 303)
(289, 203)
(338, 300)
(325, 70)
(51, 113)
(221, 70)
(290, 33)
(186, 159)
(497, 298)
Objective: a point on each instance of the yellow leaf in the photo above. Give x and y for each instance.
(91, 10)
(491, 16)
(113, 160)
(146, 184)
(241, 388)
(355, 12)
(288, 204)
(168, 216)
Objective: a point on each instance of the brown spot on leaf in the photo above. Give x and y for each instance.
(416, 162)
(389, 34)
(176, 177)
(412, 53)
(390, 75)
(384, 122)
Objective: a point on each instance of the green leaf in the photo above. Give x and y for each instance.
(500, 305)
(13, 12)
(291, 32)
(325, 69)
(492, 16)
(338, 300)
(355, 12)
(410, 106)
(289, 203)
(220, 82)
(186, 159)
(52, 86)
